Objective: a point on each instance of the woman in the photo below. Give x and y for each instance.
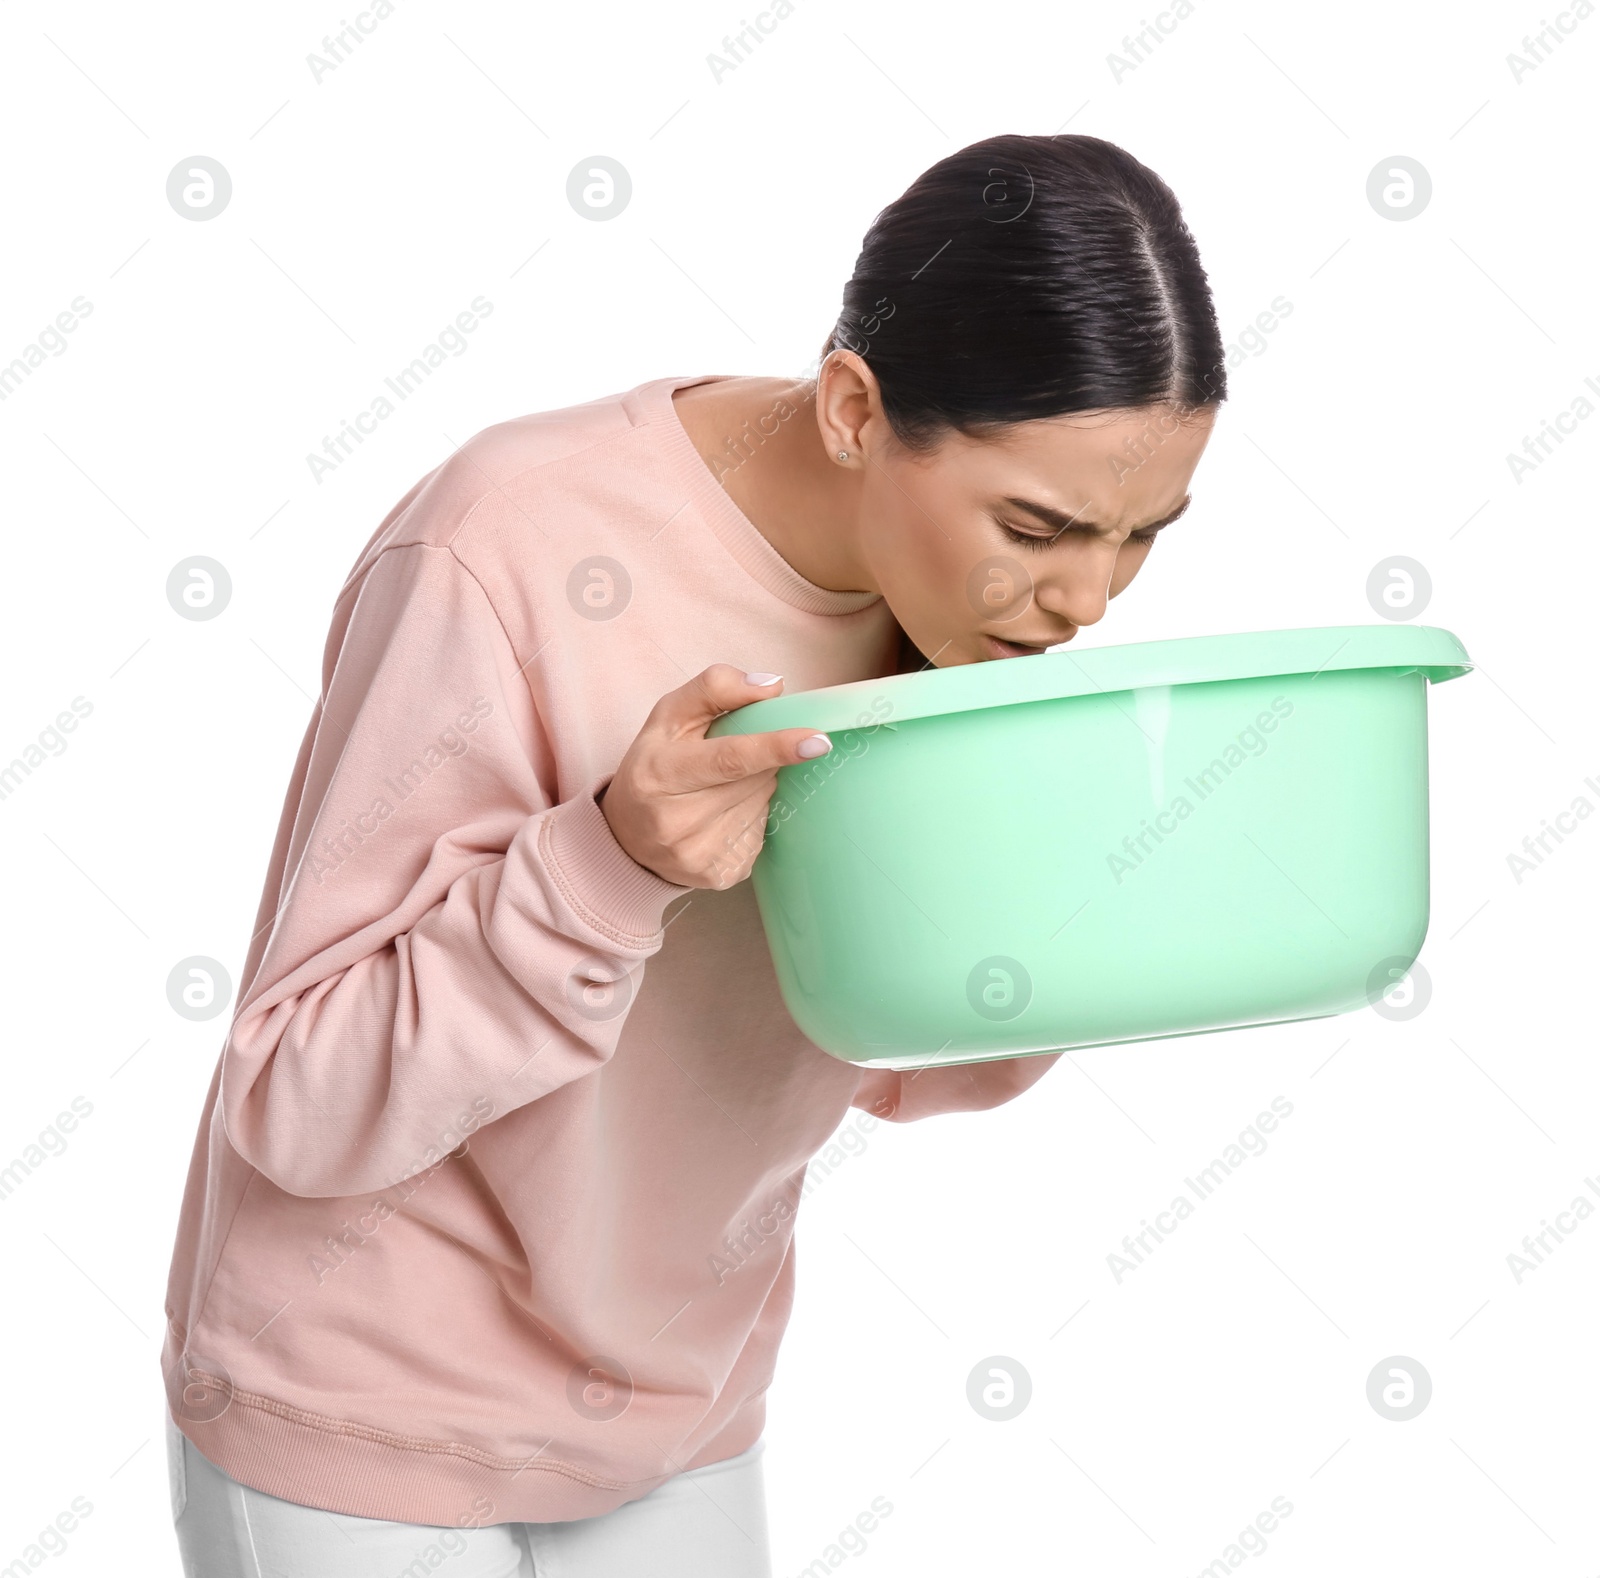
(486, 1248)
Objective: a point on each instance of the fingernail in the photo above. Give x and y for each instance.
(762, 679)
(815, 745)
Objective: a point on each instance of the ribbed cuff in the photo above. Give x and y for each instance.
(608, 888)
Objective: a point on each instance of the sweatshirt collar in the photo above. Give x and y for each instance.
(734, 529)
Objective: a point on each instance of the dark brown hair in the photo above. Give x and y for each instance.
(1027, 277)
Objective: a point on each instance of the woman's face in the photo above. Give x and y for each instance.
(1002, 546)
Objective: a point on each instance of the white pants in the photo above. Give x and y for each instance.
(707, 1522)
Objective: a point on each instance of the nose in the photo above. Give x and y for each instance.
(1077, 594)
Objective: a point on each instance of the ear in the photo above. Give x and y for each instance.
(848, 399)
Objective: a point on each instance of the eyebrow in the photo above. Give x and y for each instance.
(1064, 522)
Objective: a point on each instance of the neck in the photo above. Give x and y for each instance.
(759, 437)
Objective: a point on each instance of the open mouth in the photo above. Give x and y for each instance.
(1013, 648)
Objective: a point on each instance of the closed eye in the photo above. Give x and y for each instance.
(1063, 523)
(1034, 539)
(1028, 539)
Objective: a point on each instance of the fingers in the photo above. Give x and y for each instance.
(688, 710)
(737, 838)
(731, 757)
(693, 809)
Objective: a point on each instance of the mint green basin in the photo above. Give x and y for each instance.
(1101, 845)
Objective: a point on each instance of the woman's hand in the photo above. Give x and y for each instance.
(693, 810)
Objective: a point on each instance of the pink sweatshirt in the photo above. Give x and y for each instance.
(468, 1238)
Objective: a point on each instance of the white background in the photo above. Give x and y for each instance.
(368, 210)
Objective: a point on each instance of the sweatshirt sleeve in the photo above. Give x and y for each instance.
(903, 1097)
(447, 939)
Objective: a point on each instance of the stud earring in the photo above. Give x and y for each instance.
(844, 454)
